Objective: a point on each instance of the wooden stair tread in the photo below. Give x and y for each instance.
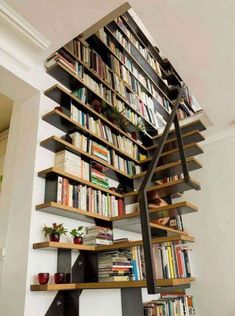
(166, 228)
(100, 248)
(109, 285)
(118, 221)
(192, 149)
(53, 170)
(169, 187)
(190, 137)
(172, 169)
(194, 125)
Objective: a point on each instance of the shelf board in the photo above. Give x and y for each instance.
(100, 248)
(172, 169)
(125, 222)
(58, 94)
(71, 212)
(68, 125)
(172, 187)
(56, 144)
(191, 137)
(129, 220)
(185, 128)
(62, 245)
(48, 172)
(109, 285)
(192, 149)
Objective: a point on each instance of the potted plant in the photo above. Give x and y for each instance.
(54, 232)
(115, 115)
(78, 235)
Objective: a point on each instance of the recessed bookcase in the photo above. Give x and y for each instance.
(114, 93)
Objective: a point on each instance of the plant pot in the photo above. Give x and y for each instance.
(55, 237)
(43, 278)
(134, 135)
(96, 105)
(77, 240)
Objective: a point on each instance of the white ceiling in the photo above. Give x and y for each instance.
(196, 36)
(5, 112)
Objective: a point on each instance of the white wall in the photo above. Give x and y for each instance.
(3, 148)
(213, 227)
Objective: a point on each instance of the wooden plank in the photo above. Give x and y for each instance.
(166, 228)
(192, 149)
(109, 285)
(194, 125)
(191, 137)
(168, 188)
(172, 169)
(62, 173)
(62, 245)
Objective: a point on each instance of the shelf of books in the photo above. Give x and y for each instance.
(113, 100)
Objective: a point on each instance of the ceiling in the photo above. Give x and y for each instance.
(6, 105)
(196, 36)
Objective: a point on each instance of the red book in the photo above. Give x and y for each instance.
(179, 263)
(120, 207)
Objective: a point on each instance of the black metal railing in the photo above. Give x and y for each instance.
(142, 193)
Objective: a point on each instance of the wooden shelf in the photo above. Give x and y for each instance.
(48, 172)
(192, 149)
(62, 245)
(101, 42)
(185, 128)
(71, 80)
(58, 94)
(127, 244)
(172, 169)
(169, 188)
(71, 212)
(109, 285)
(68, 125)
(190, 137)
(126, 222)
(56, 144)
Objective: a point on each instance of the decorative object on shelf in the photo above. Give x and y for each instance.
(59, 278)
(115, 116)
(43, 277)
(96, 105)
(54, 232)
(59, 108)
(78, 234)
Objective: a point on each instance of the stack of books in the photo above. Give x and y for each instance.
(114, 266)
(100, 152)
(73, 164)
(96, 235)
(97, 175)
(169, 305)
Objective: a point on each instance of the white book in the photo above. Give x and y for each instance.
(59, 190)
(70, 195)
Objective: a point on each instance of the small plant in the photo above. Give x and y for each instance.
(55, 231)
(78, 234)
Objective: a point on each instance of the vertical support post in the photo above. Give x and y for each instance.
(181, 149)
(132, 302)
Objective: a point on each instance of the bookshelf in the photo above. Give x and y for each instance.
(115, 95)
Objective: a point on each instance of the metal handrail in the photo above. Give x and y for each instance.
(142, 193)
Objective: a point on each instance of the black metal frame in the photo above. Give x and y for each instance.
(142, 193)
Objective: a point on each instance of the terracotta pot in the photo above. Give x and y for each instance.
(59, 277)
(43, 278)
